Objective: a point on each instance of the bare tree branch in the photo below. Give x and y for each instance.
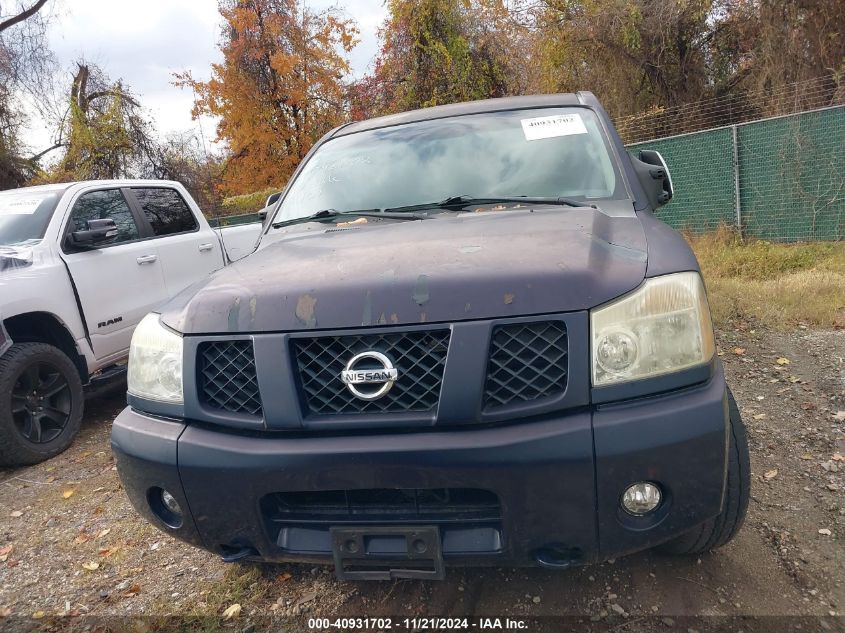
(43, 153)
(23, 15)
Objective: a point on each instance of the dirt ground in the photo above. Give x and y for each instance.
(72, 548)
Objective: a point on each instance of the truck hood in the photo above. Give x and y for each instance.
(15, 257)
(450, 268)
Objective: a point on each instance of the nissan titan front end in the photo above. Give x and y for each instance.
(464, 339)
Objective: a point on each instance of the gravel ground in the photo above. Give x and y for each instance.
(73, 549)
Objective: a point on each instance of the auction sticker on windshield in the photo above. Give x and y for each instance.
(20, 206)
(551, 126)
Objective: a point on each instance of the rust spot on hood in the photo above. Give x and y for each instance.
(421, 295)
(306, 310)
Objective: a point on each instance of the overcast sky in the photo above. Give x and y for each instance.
(145, 42)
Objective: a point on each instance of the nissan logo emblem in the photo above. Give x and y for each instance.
(369, 368)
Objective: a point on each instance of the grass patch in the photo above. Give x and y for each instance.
(778, 285)
(241, 584)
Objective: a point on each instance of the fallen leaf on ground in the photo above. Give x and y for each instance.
(5, 612)
(782, 361)
(38, 615)
(739, 351)
(806, 456)
(92, 566)
(67, 494)
(839, 415)
(13, 563)
(16, 514)
(825, 532)
(771, 474)
(285, 576)
(307, 597)
(837, 457)
(103, 533)
(760, 416)
(4, 553)
(133, 591)
(232, 612)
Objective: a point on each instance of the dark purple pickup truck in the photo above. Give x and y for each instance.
(464, 338)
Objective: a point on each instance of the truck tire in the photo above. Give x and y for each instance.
(722, 528)
(41, 403)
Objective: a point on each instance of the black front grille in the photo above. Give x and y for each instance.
(387, 504)
(227, 376)
(527, 362)
(419, 356)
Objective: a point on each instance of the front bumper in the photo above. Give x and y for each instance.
(558, 478)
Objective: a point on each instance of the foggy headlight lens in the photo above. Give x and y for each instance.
(662, 327)
(155, 362)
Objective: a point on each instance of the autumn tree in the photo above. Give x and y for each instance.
(632, 53)
(637, 55)
(281, 85)
(105, 132)
(780, 42)
(442, 51)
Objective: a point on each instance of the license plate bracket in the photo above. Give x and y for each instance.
(386, 553)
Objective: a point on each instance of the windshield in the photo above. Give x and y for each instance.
(25, 213)
(551, 152)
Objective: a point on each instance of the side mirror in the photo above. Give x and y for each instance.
(96, 233)
(654, 176)
(262, 215)
(273, 199)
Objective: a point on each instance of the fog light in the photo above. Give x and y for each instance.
(641, 498)
(169, 502)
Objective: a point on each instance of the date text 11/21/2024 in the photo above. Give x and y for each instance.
(418, 624)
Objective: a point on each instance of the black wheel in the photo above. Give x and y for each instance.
(41, 403)
(722, 528)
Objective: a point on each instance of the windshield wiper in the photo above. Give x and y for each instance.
(326, 215)
(461, 202)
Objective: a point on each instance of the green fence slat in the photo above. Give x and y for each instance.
(791, 177)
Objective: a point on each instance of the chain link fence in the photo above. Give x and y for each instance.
(731, 109)
(779, 179)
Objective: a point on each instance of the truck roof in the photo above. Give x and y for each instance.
(471, 107)
(100, 183)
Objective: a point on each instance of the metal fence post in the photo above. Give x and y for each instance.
(737, 203)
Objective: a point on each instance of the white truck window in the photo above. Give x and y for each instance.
(101, 205)
(165, 210)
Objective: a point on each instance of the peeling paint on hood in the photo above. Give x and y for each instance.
(521, 262)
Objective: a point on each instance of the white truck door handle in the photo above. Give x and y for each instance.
(146, 259)
(206, 247)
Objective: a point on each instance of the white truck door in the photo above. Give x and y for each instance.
(119, 282)
(189, 249)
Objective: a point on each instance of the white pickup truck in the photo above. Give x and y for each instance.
(80, 266)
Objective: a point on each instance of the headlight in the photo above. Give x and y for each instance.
(662, 327)
(155, 362)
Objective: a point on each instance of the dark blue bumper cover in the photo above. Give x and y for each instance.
(558, 478)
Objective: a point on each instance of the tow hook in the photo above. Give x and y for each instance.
(236, 555)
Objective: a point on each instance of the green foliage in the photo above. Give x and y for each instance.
(246, 203)
(105, 134)
(442, 51)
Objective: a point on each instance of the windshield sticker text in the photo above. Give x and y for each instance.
(20, 206)
(551, 126)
